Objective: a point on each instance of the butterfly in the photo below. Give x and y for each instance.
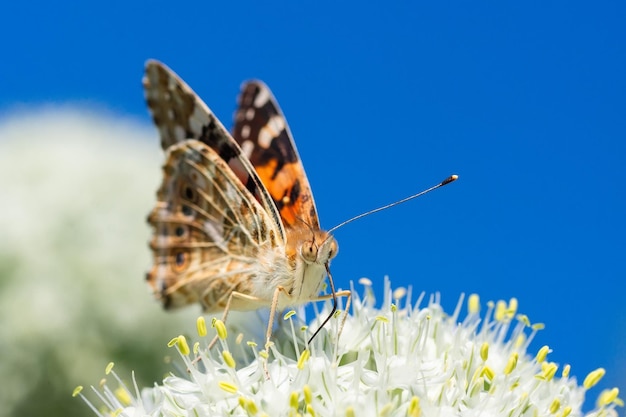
(235, 226)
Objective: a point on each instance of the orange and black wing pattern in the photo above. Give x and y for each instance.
(262, 132)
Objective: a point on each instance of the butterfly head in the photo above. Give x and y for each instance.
(320, 248)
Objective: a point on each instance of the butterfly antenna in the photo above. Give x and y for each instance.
(305, 223)
(332, 312)
(447, 181)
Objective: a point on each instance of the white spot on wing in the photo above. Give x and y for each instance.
(277, 123)
(161, 241)
(247, 147)
(271, 130)
(198, 119)
(160, 274)
(262, 97)
(179, 133)
(250, 113)
(265, 138)
(245, 131)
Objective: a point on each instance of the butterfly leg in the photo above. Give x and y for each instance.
(234, 294)
(274, 306)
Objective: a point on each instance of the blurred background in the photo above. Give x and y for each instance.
(524, 101)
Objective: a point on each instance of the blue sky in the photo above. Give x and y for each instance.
(525, 101)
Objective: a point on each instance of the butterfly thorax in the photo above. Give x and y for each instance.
(307, 254)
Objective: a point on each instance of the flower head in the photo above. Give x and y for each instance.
(402, 359)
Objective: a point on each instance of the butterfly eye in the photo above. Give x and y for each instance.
(179, 231)
(334, 248)
(308, 250)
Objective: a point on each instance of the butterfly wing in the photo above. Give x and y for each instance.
(213, 215)
(262, 132)
(179, 114)
(208, 231)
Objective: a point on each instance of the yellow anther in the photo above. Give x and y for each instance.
(512, 307)
(289, 314)
(239, 339)
(220, 327)
(500, 312)
(538, 326)
(548, 370)
(337, 313)
(109, 368)
(310, 410)
(228, 359)
(554, 407)
(524, 319)
(264, 354)
(566, 370)
(382, 318)
(399, 293)
(607, 396)
(414, 407)
(511, 363)
(201, 326)
(593, 378)
(248, 405)
(542, 354)
(473, 304)
(304, 356)
(228, 387)
(520, 340)
(182, 345)
(293, 400)
(394, 308)
(172, 342)
(488, 372)
(567, 410)
(484, 351)
(196, 348)
(251, 343)
(102, 382)
(77, 390)
(308, 395)
(123, 396)
(350, 412)
(366, 282)
(251, 408)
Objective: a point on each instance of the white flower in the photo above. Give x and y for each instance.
(75, 189)
(402, 359)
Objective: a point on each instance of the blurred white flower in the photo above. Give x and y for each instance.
(402, 359)
(75, 189)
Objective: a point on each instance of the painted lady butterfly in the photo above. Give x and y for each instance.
(235, 224)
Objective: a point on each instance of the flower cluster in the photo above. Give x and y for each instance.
(402, 359)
